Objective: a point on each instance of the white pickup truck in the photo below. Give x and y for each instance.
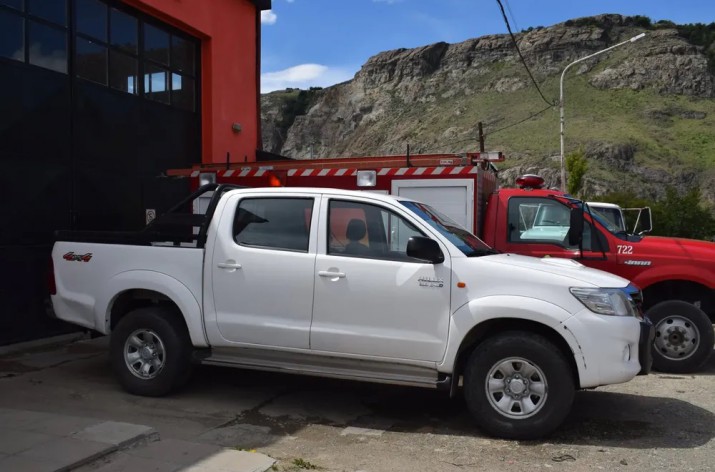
(356, 286)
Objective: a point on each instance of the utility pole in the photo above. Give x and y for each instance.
(481, 137)
(561, 99)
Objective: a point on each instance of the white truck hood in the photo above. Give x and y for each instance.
(562, 267)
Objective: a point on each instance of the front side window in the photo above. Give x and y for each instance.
(362, 230)
(545, 221)
(274, 223)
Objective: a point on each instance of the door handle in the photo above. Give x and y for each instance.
(228, 265)
(327, 273)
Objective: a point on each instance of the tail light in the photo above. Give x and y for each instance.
(51, 285)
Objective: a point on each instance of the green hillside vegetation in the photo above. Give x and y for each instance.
(669, 139)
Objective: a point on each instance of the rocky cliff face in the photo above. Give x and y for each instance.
(432, 97)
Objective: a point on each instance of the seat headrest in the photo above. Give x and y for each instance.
(356, 230)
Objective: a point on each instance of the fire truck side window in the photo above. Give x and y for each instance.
(274, 223)
(361, 230)
(542, 221)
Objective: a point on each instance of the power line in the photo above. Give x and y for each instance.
(511, 14)
(534, 115)
(523, 61)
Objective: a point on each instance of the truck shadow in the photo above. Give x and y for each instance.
(598, 418)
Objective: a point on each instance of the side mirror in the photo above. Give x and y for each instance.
(425, 249)
(645, 219)
(576, 226)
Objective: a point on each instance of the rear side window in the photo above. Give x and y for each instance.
(274, 223)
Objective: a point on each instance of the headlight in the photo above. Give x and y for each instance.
(605, 301)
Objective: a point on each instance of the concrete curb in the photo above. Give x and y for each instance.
(42, 343)
(149, 436)
(32, 440)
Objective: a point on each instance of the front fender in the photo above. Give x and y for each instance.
(158, 282)
(484, 309)
(691, 273)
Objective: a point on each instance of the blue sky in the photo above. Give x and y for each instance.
(322, 42)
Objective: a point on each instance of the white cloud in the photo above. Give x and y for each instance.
(304, 76)
(268, 17)
(389, 2)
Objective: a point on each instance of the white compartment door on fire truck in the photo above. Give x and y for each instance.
(453, 197)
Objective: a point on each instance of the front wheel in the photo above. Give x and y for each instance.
(518, 385)
(683, 336)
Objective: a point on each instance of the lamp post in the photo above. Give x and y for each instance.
(561, 98)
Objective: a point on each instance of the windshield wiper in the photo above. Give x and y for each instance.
(483, 252)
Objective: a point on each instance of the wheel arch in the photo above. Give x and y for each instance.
(134, 289)
(681, 289)
(493, 327)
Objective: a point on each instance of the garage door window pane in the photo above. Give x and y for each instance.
(48, 47)
(156, 44)
(91, 61)
(50, 10)
(92, 18)
(155, 84)
(17, 4)
(12, 43)
(124, 31)
(182, 55)
(123, 72)
(182, 92)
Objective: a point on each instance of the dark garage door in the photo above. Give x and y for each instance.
(98, 101)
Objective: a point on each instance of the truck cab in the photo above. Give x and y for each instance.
(677, 275)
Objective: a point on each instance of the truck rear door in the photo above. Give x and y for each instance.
(259, 287)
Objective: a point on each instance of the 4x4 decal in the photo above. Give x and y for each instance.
(72, 257)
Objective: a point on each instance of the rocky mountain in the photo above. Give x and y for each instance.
(644, 113)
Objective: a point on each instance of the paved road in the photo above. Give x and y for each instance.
(658, 422)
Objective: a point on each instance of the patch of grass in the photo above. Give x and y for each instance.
(304, 464)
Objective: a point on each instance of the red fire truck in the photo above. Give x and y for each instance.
(677, 276)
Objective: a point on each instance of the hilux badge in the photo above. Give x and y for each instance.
(429, 282)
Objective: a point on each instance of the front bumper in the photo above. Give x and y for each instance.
(645, 346)
(609, 349)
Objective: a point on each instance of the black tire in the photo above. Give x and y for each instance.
(683, 336)
(163, 332)
(558, 384)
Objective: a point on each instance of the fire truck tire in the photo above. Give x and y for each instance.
(150, 351)
(683, 336)
(518, 385)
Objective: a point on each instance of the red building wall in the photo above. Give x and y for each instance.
(229, 31)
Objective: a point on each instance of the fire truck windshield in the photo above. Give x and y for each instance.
(465, 241)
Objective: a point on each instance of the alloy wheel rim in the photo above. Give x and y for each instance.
(516, 388)
(144, 354)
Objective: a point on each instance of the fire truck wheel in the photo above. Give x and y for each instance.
(150, 350)
(518, 385)
(683, 336)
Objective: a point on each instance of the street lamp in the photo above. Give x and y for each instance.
(561, 99)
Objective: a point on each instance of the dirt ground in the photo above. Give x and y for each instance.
(655, 422)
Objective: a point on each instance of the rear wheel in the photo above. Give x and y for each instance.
(683, 336)
(150, 351)
(518, 385)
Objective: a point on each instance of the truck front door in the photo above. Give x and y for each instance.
(260, 275)
(538, 226)
(370, 298)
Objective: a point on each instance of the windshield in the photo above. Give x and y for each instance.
(465, 241)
